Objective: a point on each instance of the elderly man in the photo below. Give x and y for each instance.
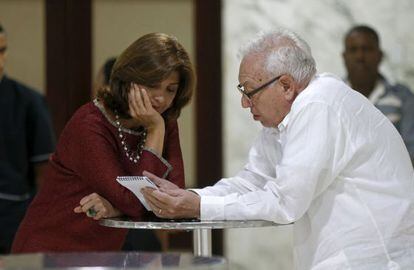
(326, 160)
(362, 57)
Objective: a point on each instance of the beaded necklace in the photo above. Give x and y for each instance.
(132, 155)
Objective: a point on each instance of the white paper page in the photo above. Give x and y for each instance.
(135, 184)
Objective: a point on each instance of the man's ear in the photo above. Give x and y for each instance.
(288, 87)
(381, 56)
(344, 55)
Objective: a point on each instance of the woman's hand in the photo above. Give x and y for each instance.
(140, 108)
(96, 207)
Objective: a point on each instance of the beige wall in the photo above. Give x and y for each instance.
(116, 24)
(24, 24)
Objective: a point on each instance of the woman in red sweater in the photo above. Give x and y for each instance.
(129, 128)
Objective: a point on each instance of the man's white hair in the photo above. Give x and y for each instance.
(284, 53)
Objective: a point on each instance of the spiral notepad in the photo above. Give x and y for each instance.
(135, 184)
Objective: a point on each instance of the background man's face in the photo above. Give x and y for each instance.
(362, 55)
(3, 47)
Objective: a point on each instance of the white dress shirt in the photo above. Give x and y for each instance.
(339, 170)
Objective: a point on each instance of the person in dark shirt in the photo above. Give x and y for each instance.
(26, 141)
(362, 58)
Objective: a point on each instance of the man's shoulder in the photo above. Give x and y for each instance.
(22, 89)
(400, 90)
(403, 90)
(324, 81)
(324, 88)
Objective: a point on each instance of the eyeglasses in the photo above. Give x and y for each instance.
(250, 94)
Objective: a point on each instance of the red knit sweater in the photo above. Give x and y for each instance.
(88, 159)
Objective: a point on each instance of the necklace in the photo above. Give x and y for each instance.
(132, 155)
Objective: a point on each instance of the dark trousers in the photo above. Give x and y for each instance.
(141, 240)
(11, 214)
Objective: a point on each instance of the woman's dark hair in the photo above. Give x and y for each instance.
(107, 69)
(148, 61)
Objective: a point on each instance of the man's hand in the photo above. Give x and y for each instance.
(170, 201)
(163, 184)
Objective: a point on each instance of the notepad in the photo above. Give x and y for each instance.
(135, 184)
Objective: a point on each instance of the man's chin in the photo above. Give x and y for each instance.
(262, 121)
(265, 124)
(269, 124)
(257, 118)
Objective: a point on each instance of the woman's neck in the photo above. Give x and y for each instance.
(125, 123)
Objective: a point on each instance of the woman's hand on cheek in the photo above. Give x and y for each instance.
(140, 108)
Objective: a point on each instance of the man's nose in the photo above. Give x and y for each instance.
(245, 102)
(360, 54)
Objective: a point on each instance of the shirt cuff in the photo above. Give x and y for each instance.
(40, 158)
(211, 207)
(201, 191)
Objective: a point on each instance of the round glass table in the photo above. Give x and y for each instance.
(112, 260)
(201, 229)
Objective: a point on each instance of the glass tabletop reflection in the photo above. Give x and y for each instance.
(183, 224)
(111, 260)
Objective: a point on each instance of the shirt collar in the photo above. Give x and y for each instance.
(378, 91)
(283, 125)
(285, 122)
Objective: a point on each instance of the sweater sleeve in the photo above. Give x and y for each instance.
(91, 151)
(172, 152)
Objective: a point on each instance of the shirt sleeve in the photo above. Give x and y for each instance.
(312, 156)
(41, 138)
(407, 124)
(172, 153)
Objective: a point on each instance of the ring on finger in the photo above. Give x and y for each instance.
(91, 212)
